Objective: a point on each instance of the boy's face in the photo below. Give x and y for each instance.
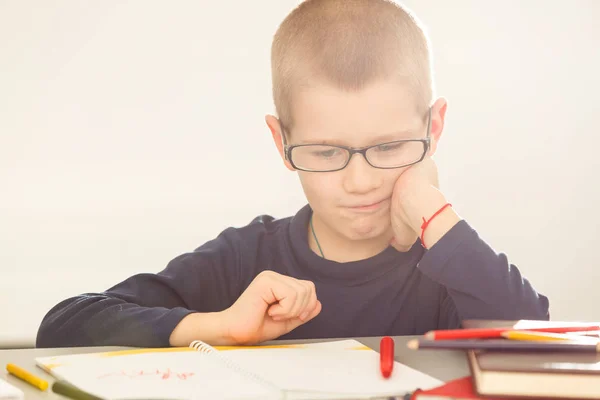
(354, 202)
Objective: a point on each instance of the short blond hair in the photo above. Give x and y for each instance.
(349, 44)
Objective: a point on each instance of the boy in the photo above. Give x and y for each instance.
(377, 251)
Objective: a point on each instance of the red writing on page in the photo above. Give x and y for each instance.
(166, 374)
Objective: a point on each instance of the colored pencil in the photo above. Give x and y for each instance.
(66, 389)
(27, 376)
(585, 333)
(546, 336)
(505, 345)
(486, 333)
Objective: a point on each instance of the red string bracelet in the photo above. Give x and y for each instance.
(426, 223)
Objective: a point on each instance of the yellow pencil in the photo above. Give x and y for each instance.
(27, 377)
(544, 336)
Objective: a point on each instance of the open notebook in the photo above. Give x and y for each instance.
(327, 370)
(10, 392)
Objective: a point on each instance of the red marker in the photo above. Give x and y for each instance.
(386, 356)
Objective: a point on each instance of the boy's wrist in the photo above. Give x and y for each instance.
(439, 226)
(207, 327)
(424, 203)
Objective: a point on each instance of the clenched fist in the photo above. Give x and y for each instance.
(271, 306)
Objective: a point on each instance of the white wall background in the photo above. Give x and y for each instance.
(133, 131)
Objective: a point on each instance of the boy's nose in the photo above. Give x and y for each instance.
(360, 177)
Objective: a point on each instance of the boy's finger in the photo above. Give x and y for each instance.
(404, 237)
(402, 246)
(315, 311)
(309, 294)
(310, 305)
(300, 300)
(308, 310)
(293, 323)
(286, 297)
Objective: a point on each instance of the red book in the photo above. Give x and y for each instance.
(533, 375)
(458, 389)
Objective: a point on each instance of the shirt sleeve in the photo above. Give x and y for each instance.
(144, 309)
(481, 282)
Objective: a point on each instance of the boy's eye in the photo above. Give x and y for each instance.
(327, 153)
(389, 147)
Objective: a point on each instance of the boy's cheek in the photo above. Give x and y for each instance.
(320, 183)
(318, 194)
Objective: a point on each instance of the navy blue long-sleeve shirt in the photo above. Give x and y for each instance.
(392, 293)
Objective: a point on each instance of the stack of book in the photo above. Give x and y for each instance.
(521, 359)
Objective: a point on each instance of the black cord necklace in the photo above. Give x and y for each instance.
(312, 228)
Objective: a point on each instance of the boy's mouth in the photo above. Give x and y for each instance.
(370, 207)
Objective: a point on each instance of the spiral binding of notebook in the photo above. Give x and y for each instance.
(205, 348)
(202, 347)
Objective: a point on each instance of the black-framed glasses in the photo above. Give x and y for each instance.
(329, 158)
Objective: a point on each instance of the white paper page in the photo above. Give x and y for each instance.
(354, 372)
(177, 375)
(8, 391)
(344, 344)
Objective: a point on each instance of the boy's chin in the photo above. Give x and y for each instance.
(367, 230)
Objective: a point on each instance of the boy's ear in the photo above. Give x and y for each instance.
(275, 128)
(438, 117)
